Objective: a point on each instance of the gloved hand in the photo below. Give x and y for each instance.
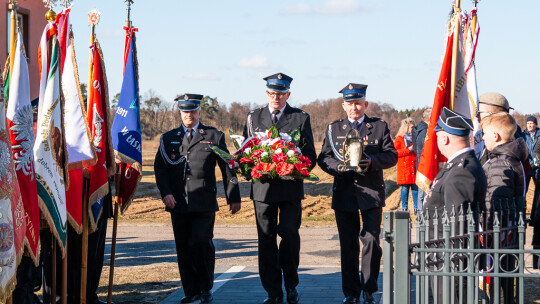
(344, 171)
(364, 165)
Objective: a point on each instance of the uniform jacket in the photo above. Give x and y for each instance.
(352, 191)
(462, 181)
(406, 164)
(504, 173)
(187, 170)
(260, 120)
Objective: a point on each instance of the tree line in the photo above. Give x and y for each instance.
(159, 116)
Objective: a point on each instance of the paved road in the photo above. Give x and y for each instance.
(237, 279)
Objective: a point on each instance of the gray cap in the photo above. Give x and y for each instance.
(495, 99)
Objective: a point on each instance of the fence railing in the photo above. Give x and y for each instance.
(472, 256)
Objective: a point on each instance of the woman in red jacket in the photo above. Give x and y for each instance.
(406, 173)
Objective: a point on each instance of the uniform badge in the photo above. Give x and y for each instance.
(178, 133)
(234, 180)
(376, 141)
(344, 127)
(341, 151)
(279, 76)
(365, 140)
(186, 97)
(173, 156)
(201, 131)
(350, 86)
(368, 125)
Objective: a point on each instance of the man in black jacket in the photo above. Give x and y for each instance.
(418, 138)
(185, 175)
(281, 197)
(361, 189)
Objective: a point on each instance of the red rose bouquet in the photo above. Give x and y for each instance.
(269, 155)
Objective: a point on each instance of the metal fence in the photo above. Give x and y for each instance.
(472, 256)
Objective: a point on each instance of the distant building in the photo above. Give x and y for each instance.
(31, 18)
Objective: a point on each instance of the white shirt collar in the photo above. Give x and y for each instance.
(280, 111)
(361, 120)
(194, 128)
(458, 153)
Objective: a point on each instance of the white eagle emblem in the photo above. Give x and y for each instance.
(5, 173)
(98, 130)
(23, 154)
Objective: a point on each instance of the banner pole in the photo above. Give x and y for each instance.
(53, 267)
(64, 276)
(84, 244)
(454, 54)
(113, 242)
(13, 32)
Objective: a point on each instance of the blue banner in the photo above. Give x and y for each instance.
(126, 128)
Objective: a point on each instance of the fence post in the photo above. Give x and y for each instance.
(388, 257)
(446, 278)
(402, 237)
(521, 232)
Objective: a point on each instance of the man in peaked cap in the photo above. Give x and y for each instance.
(361, 189)
(461, 181)
(185, 175)
(279, 197)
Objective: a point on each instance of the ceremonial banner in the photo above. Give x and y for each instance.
(12, 221)
(430, 158)
(473, 30)
(98, 120)
(20, 120)
(78, 140)
(50, 152)
(462, 105)
(44, 61)
(126, 130)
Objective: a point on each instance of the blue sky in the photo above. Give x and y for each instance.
(223, 48)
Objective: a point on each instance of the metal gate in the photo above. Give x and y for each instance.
(472, 256)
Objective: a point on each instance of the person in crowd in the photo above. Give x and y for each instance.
(505, 181)
(406, 165)
(535, 213)
(532, 134)
(278, 208)
(186, 178)
(360, 189)
(418, 138)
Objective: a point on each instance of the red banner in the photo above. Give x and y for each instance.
(431, 157)
(98, 111)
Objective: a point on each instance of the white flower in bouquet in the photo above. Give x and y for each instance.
(261, 135)
(264, 154)
(290, 153)
(239, 139)
(275, 140)
(247, 150)
(278, 151)
(265, 142)
(285, 136)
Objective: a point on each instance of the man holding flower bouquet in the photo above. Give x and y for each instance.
(358, 186)
(275, 187)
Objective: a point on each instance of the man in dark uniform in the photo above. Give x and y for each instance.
(186, 178)
(461, 181)
(279, 196)
(358, 189)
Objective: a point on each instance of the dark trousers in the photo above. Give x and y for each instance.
(26, 281)
(274, 260)
(348, 224)
(96, 251)
(193, 233)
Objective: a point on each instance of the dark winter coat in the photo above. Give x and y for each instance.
(418, 137)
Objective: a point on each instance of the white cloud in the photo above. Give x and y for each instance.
(255, 62)
(329, 7)
(202, 77)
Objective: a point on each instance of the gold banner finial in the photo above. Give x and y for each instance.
(93, 17)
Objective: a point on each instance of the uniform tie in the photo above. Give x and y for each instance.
(189, 135)
(274, 116)
(357, 125)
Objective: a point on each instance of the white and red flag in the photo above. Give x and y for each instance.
(79, 146)
(12, 221)
(98, 120)
(20, 120)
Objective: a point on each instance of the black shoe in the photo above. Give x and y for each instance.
(351, 300)
(206, 297)
(273, 300)
(190, 299)
(369, 299)
(292, 296)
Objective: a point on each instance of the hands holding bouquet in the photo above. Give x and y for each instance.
(267, 156)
